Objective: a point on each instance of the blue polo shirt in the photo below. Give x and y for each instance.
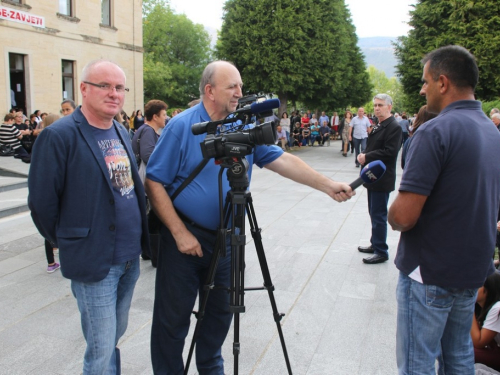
(454, 161)
(178, 153)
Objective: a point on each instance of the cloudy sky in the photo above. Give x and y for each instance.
(371, 18)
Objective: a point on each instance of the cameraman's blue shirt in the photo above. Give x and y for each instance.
(178, 153)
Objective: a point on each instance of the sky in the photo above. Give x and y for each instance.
(371, 17)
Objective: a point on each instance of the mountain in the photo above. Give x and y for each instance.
(379, 52)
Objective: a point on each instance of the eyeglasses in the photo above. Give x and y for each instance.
(108, 87)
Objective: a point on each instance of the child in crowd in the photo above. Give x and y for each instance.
(485, 330)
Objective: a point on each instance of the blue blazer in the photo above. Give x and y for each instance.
(71, 196)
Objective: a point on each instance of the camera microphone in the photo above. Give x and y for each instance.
(371, 173)
(264, 108)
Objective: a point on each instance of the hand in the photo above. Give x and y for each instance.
(361, 159)
(342, 192)
(188, 244)
(350, 139)
(498, 226)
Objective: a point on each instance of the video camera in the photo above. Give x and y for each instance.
(239, 139)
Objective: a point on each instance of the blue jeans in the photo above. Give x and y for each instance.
(377, 207)
(357, 143)
(104, 308)
(179, 279)
(434, 322)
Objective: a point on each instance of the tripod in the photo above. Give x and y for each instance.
(238, 201)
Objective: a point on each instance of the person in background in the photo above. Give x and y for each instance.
(358, 133)
(405, 128)
(11, 136)
(344, 130)
(285, 125)
(485, 330)
(281, 139)
(143, 144)
(421, 117)
(67, 107)
(52, 265)
(324, 133)
(138, 119)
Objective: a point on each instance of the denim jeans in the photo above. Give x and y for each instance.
(179, 279)
(357, 143)
(104, 308)
(434, 322)
(377, 207)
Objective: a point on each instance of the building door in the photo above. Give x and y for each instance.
(17, 81)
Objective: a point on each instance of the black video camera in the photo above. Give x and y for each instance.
(239, 138)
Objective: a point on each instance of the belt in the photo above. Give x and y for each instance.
(187, 220)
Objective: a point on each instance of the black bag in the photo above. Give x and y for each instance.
(27, 142)
(6, 150)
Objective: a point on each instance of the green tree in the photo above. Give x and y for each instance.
(175, 54)
(299, 50)
(473, 24)
(383, 85)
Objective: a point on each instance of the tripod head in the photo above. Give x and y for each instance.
(237, 172)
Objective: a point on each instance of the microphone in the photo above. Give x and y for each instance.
(371, 173)
(262, 107)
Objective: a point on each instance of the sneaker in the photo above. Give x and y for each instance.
(53, 267)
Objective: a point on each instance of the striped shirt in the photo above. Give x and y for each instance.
(9, 136)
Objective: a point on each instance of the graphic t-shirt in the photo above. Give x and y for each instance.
(128, 233)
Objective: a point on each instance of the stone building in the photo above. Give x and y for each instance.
(46, 43)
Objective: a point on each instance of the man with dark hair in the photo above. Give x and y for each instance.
(189, 230)
(143, 144)
(446, 209)
(93, 210)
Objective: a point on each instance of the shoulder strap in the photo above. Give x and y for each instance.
(190, 178)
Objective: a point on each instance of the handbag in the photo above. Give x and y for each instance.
(6, 150)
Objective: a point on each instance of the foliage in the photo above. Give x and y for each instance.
(488, 106)
(383, 85)
(175, 53)
(473, 24)
(299, 50)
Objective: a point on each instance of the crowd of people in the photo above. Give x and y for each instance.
(126, 192)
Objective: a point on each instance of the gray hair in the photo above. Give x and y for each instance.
(386, 98)
(208, 75)
(88, 68)
(495, 115)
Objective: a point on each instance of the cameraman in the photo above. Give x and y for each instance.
(188, 232)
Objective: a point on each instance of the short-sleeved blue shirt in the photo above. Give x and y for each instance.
(454, 160)
(178, 153)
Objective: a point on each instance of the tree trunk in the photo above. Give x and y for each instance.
(283, 97)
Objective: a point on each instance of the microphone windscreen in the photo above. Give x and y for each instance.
(372, 172)
(265, 106)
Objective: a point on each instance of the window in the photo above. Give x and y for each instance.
(65, 8)
(106, 12)
(68, 79)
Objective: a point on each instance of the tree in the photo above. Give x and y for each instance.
(299, 50)
(473, 24)
(383, 85)
(175, 53)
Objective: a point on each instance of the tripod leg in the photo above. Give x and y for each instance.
(220, 247)
(268, 285)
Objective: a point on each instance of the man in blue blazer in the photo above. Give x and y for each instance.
(86, 197)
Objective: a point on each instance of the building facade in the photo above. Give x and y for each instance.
(46, 43)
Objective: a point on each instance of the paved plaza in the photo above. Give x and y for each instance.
(340, 314)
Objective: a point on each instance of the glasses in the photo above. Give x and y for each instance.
(108, 87)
